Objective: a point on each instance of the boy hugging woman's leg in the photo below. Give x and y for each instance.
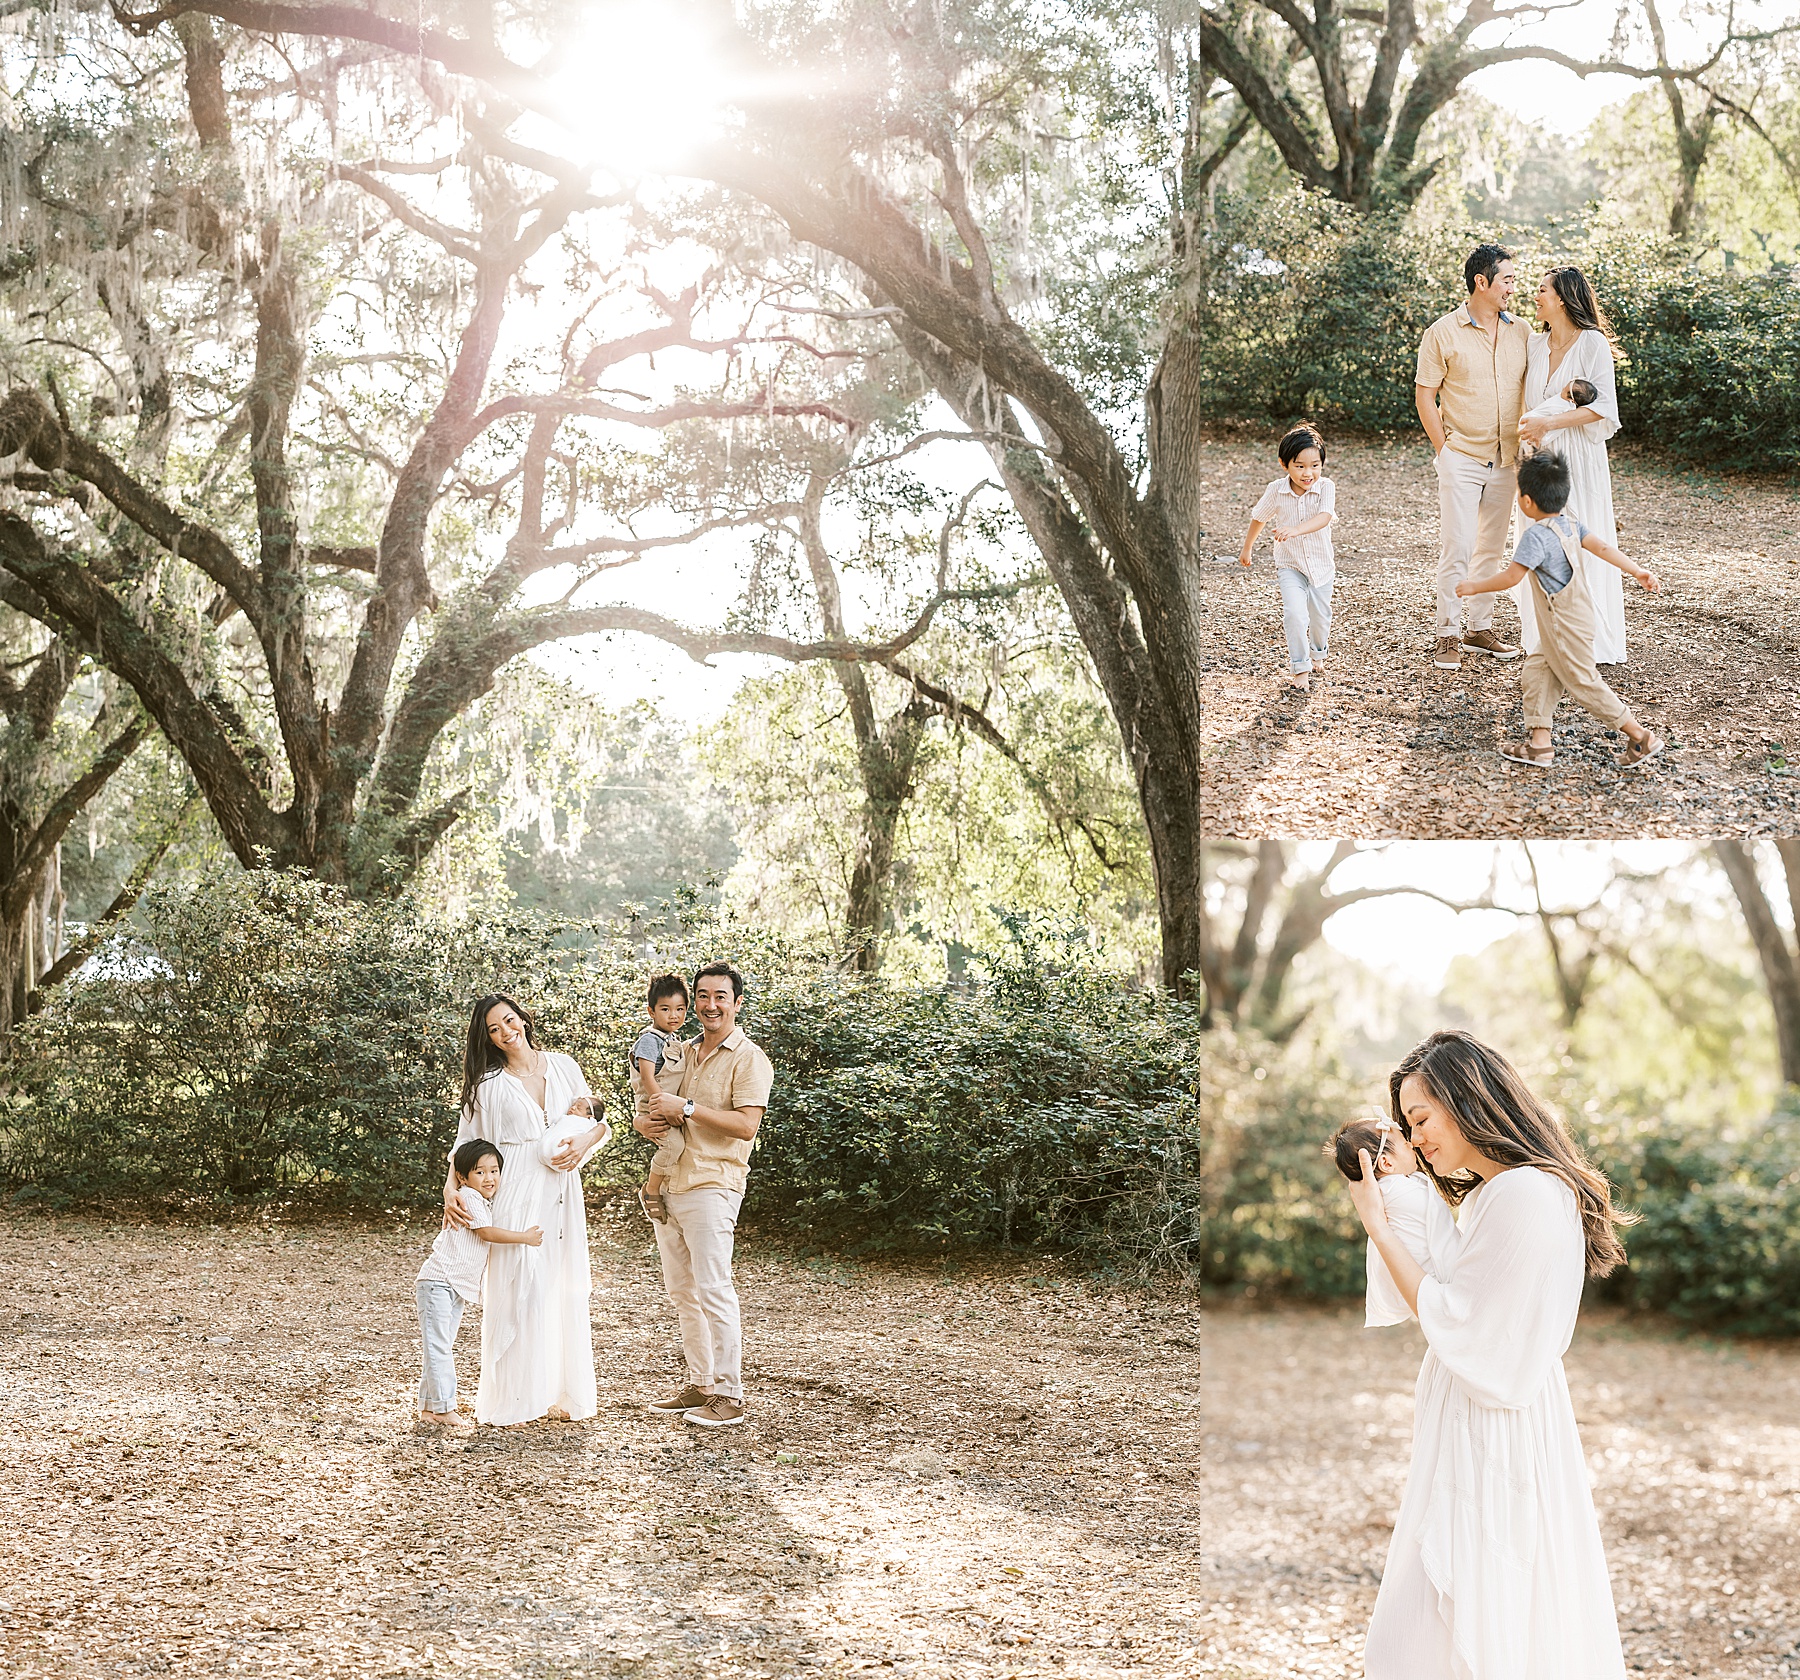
(452, 1275)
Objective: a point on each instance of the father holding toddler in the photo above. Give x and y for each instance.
(715, 1093)
(1469, 391)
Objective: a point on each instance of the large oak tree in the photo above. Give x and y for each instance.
(923, 148)
(353, 446)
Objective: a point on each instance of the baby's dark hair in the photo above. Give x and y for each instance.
(1298, 438)
(1545, 479)
(1583, 393)
(669, 985)
(1343, 1144)
(468, 1156)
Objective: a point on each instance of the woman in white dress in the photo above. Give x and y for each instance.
(1575, 344)
(1495, 1570)
(537, 1350)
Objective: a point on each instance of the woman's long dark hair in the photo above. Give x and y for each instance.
(1500, 1118)
(481, 1056)
(1577, 295)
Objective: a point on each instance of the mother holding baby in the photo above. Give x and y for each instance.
(1575, 344)
(1495, 1570)
(537, 1349)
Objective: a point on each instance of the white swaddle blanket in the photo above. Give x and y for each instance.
(1423, 1222)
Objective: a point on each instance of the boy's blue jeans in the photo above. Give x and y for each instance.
(1305, 616)
(440, 1315)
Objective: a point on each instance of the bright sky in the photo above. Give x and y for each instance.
(1417, 938)
(1550, 97)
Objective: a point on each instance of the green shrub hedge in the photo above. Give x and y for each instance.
(265, 1037)
(1719, 1242)
(268, 1036)
(1307, 309)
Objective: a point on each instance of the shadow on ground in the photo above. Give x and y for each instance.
(986, 1471)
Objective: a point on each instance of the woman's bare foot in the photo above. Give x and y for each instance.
(557, 1415)
(1298, 681)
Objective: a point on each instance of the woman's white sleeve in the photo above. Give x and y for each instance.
(1502, 1319)
(1599, 362)
(468, 1124)
(484, 1117)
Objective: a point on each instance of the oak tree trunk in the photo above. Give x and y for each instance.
(1777, 951)
(889, 764)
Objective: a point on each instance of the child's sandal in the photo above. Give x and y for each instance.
(1641, 752)
(652, 1204)
(1521, 752)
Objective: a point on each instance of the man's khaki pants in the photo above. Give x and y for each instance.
(1564, 661)
(695, 1243)
(1475, 509)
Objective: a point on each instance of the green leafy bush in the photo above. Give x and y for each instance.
(265, 1036)
(263, 1033)
(1719, 1242)
(1306, 308)
(268, 1035)
(1044, 1104)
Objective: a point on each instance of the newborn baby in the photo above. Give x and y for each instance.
(1578, 393)
(1421, 1218)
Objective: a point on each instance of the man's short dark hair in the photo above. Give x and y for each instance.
(1484, 263)
(721, 971)
(1545, 479)
(669, 985)
(468, 1156)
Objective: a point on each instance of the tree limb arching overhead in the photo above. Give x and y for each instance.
(344, 790)
(1380, 75)
(1125, 540)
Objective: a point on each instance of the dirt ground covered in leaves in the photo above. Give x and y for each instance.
(969, 1472)
(1386, 745)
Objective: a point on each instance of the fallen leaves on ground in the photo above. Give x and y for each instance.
(1386, 745)
(978, 1471)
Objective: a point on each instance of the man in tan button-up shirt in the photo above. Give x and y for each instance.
(1469, 391)
(715, 1090)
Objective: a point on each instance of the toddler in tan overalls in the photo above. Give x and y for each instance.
(1564, 662)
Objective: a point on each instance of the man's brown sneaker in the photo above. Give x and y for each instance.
(720, 1412)
(1485, 641)
(1449, 654)
(685, 1401)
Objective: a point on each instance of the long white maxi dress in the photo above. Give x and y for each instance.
(537, 1347)
(1496, 1570)
(1590, 357)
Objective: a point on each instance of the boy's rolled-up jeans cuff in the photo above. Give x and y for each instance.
(440, 1316)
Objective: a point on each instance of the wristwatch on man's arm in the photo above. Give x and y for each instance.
(687, 1111)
